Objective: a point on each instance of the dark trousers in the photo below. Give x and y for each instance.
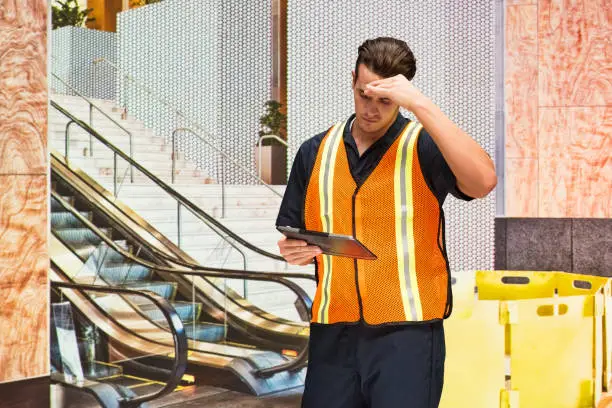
(390, 367)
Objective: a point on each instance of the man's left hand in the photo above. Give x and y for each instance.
(398, 89)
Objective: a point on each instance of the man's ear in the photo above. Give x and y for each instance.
(354, 78)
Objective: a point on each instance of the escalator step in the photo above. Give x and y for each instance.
(164, 289)
(125, 272)
(85, 250)
(65, 219)
(266, 359)
(80, 235)
(209, 332)
(187, 311)
(56, 206)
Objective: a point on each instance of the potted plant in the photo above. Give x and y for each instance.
(271, 166)
(140, 3)
(69, 13)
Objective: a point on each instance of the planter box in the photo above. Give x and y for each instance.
(273, 164)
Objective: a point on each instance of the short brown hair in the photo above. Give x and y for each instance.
(386, 57)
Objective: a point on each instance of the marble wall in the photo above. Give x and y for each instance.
(558, 65)
(24, 260)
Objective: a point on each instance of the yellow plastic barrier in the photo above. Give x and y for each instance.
(554, 335)
(514, 285)
(474, 369)
(554, 345)
(607, 360)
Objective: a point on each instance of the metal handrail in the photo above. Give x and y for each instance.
(225, 155)
(192, 122)
(179, 364)
(259, 146)
(200, 214)
(116, 151)
(91, 107)
(277, 277)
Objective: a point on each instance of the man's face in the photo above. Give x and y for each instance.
(373, 115)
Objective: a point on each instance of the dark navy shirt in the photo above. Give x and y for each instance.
(438, 175)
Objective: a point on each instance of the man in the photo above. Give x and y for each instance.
(376, 335)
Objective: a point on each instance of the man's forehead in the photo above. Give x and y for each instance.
(366, 76)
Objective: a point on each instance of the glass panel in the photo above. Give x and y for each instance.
(119, 339)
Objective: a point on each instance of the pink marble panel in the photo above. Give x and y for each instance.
(575, 162)
(590, 132)
(23, 87)
(24, 262)
(521, 81)
(575, 52)
(520, 2)
(522, 188)
(555, 164)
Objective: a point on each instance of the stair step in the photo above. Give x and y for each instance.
(152, 164)
(139, 155)
(79, 145)
(214, 191)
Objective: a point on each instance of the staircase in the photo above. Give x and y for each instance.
(251, 210)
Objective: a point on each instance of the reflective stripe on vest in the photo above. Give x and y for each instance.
(394, 214)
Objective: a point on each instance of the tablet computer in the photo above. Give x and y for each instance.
(330, 244)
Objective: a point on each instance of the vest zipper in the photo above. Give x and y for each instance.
(361, 319)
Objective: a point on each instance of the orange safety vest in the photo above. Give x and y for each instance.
(395, 215)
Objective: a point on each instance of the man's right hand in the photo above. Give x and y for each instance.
(297, 252)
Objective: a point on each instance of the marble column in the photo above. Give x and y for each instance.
(24, 172)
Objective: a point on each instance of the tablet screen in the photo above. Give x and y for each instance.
(330, 244)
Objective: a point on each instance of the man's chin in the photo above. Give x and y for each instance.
(369, 126)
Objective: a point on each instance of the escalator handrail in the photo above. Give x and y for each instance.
(277, 277)
(216, 272)
(197, 211)
(231, 273)
(179, 364)
(156, 251)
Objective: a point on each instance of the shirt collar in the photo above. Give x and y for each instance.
(387, 139)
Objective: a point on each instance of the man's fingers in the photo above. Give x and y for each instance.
(377, 90)
(291, 243)
(383, 81)
(308, 250)
(299, 259)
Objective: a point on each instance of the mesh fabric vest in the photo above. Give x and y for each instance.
(393, 213)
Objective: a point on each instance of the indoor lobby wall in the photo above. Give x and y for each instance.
(24, 260)
(558, 138)
(558, 109)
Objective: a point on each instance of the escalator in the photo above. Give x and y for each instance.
(232, 343)
(84, 371)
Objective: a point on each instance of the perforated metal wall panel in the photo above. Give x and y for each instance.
(72, 54)
(454, 45)
(211, 60)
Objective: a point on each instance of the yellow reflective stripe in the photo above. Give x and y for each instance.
(404, 223)
(400, 216)
(410, 221)
(326, 189)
